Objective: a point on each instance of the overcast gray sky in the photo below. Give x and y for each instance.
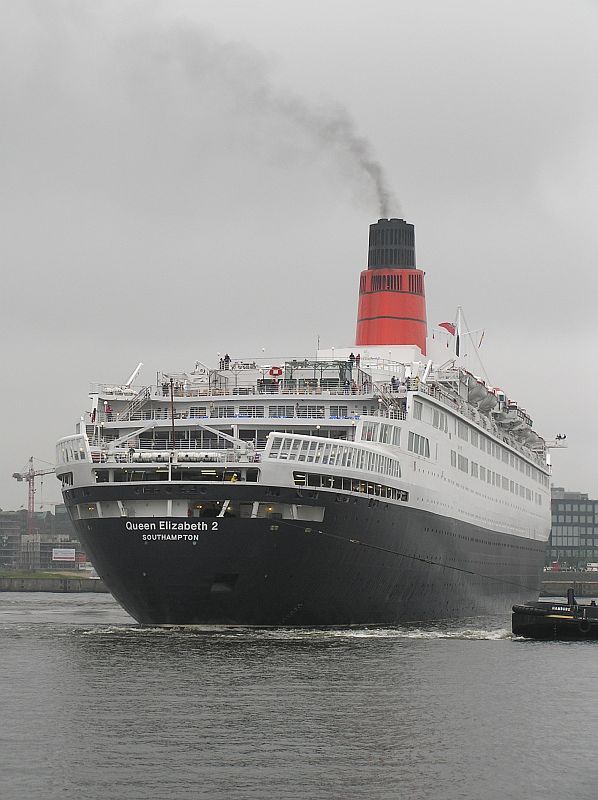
(182, 178)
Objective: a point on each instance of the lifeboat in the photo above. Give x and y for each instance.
(487, 404)
(507, 418)
(476, 389)
(535, 442)
(530, 438)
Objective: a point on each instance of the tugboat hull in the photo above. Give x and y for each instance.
(555, 621)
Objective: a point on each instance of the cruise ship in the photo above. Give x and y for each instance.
(361, 486)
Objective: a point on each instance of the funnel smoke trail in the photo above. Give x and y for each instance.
(337, 129)
(242, 72)
(179, 80)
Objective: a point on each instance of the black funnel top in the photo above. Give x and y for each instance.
(392, 245)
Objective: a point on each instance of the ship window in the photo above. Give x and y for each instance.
(339, 412)
(453, 458)
(206, 509)
(289, 511)
(311, 412)
(314, 513)
(87, 510)
(245, 510)
(223, 411)
(482, 473)
(251, 411)
(369, 431)
(270, 510)
(317, 480)
(417, 409)
(418, 444)
(385, 434)
(463, 463)
(281, 411)
(474, 469)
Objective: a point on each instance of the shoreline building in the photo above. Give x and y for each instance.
(37, 550)
(573, 540)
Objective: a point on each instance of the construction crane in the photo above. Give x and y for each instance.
(29, 475)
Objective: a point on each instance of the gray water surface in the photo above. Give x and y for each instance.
(94, 707)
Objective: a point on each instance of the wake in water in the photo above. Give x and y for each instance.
(248, 634)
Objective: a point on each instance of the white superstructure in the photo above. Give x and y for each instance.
(434, 439)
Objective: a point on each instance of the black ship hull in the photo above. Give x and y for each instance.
(367, 562)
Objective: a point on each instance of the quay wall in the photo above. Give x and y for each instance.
(555, 584)
(52, 585)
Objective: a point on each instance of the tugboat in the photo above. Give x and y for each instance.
(543, 620)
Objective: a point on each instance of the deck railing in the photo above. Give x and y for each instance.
(243, 389)
(177, 456)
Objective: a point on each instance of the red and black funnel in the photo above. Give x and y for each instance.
(392, 299)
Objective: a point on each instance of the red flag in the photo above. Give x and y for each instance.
(449, 327)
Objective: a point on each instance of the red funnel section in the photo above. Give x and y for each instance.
(392, 299)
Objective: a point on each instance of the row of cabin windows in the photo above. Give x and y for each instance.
(439, 419)
(273, 510)
(72, 450)
(381, 432)
(296, 411)
(293, 449)
(316, 480)
(218, 474)
(217, 508)
(493, 478)
(253, 411)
